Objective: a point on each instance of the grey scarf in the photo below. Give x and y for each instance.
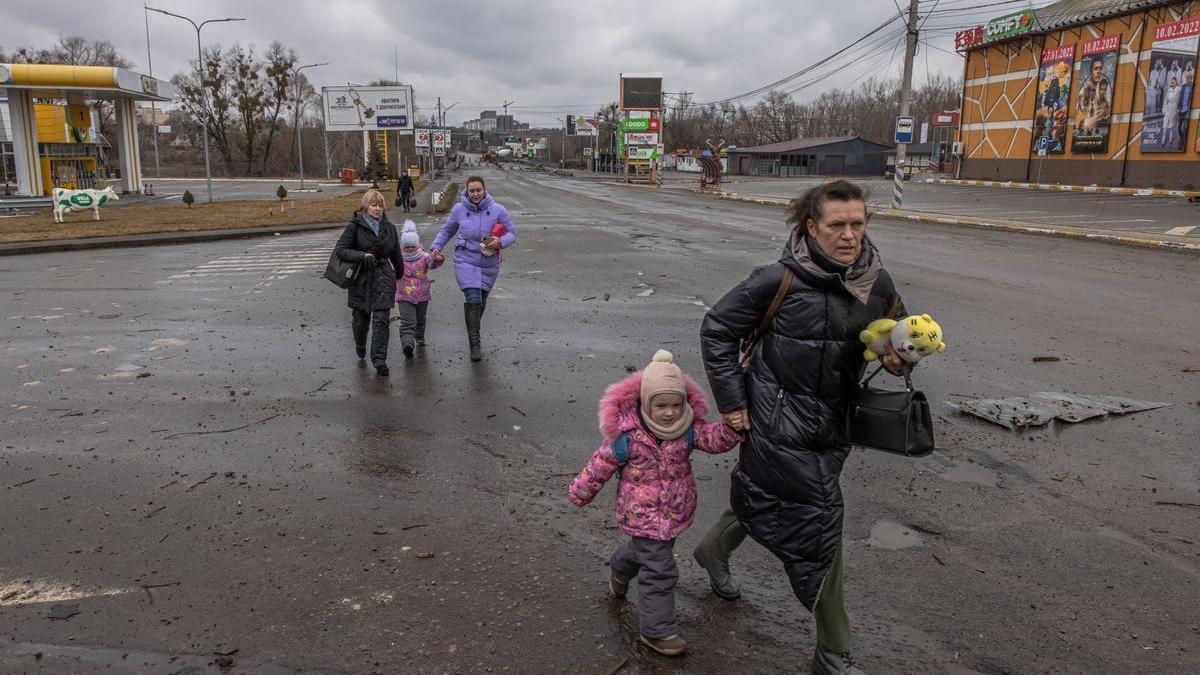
(858, 277)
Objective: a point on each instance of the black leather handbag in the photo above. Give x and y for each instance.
(892, 421)
(342, 273)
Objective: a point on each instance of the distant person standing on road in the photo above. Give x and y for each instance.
(404, 188)
(791, 402)
(370, 240)
(476, 266)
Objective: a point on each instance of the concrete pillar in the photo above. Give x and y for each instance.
(127, 146)
(25, 144)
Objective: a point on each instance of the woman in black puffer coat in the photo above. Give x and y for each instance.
(791, 402)
(370, 240)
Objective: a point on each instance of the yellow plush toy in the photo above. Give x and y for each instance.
(913, 338)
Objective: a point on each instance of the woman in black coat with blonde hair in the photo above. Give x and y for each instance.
(370, 240)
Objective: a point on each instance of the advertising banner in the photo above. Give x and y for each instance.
(1169, 86)
(1054, 94)
(1093, 99)
(643, 152)
(368, 108)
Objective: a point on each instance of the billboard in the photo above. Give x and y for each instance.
(1053, 97)
(1169, 86)
(586, 126)
(1093, 98)
(356, 108)
(641, 91)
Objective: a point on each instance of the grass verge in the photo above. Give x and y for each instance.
(124, 220)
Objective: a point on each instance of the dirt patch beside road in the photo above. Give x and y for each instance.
(121, 220)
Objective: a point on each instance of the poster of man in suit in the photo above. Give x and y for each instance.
(1093, 99)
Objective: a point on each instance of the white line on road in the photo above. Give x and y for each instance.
(1181, 230)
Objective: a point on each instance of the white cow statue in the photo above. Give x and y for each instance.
(81, 200)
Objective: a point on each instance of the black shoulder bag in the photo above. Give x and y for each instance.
(341, 272)
(892, 421)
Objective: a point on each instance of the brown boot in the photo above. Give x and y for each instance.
(672, 645)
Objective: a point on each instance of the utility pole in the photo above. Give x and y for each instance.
(153, 112)
(910, 51)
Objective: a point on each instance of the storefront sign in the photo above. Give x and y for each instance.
(946, 118)
(643, 152)
(965, 39)
(1007, 26)
(1053, 98)
(1169, 86)
(635, 124)
(641, 139)
(1093, 98)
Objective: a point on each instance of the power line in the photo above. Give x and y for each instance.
(803, 71)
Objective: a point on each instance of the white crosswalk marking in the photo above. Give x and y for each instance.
(273, 259)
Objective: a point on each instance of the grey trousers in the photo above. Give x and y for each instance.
(377, 322)
(412, 322)
(653, 563)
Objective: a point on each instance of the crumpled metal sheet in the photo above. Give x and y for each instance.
(1041, 408)
(1010, 413)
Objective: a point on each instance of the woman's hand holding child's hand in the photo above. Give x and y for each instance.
(738, 420)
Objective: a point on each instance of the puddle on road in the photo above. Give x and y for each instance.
(893, 536)
(970, 473)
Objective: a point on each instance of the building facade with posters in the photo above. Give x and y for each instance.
(1084, 92)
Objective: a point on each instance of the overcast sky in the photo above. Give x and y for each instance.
(550, 57)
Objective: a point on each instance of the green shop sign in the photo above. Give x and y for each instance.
(1008, 25)
(635, 124)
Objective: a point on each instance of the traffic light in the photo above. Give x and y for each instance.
(570, 125)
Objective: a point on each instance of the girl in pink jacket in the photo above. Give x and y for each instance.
(650, 421)
(413, 288)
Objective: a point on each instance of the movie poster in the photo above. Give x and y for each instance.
(1053, 96)
(1169, 86)
(1094, 95)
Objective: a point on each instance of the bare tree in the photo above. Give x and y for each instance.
(280, 61)
(249, 96)
(209, 100)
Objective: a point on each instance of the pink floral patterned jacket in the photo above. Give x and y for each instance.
(656, 493)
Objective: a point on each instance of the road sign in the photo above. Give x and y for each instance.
(904, 129)
(587, 152)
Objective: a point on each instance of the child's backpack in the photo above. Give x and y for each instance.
(620, 445)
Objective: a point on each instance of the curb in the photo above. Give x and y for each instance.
(1110, 236)
(1054, 187)
(155, 239)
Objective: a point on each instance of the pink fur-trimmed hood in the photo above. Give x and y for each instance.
(619, 405)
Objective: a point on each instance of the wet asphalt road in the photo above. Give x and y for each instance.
(1128, 213)
(193, 455)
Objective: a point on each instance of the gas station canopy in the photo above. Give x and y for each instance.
(27, 82)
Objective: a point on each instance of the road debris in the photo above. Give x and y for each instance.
(1041, 408)
(63, 611)
(222, 431)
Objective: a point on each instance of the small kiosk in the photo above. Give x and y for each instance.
(54, 128)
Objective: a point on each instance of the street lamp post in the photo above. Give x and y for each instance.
(200, 81)
(324, 135)
(299, 142)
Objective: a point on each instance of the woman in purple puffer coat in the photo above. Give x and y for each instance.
(472, 222)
